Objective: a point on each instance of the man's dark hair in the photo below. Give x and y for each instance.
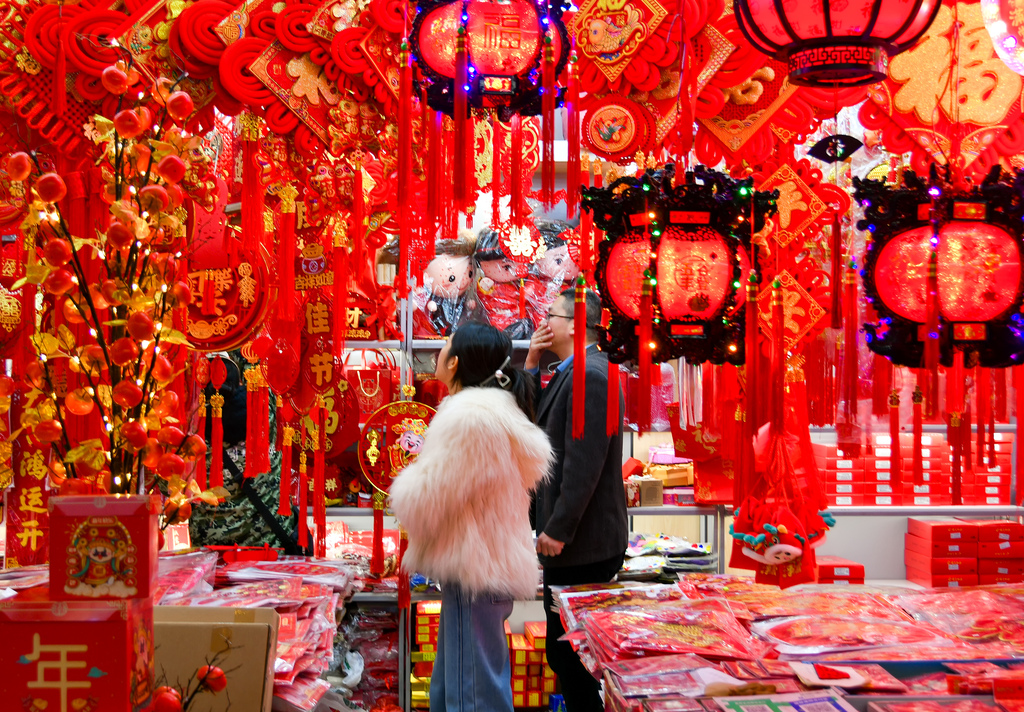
(593, 310)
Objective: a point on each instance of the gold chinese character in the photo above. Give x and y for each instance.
(34, 465)
(322, 366)
(31, 500)
(29, 536)
(317, 318)
(62, 665)
(352, 319)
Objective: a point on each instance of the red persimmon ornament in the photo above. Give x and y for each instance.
(134, 434)
(128, 124)
(127, 394)
(119, 237)
(114, 80)
(172, 169)
(48, 431)
(179, 105)
(57, 252)
(140, 326)
(51, 188)
(212, 678)
(19, 166)
(123, 351)
(58, 282)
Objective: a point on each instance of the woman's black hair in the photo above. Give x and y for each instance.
(485, 356)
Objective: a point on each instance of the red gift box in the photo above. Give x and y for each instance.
(85, 656)
(846, 500)
(883, 500)
(960, 549)
(942, 565)
(1001, 567)
(991, 579)
(847, 488)
(103, 547)
(953, 530)
(842, 581)
(835, 567)
(1000, 549)
(844, 476)
(926, 578)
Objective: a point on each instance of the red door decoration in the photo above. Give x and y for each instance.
(844, 43)
(975, 239)
(392, 438)
(686, 243)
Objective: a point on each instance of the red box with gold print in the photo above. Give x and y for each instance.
(103, 547)
(76, 656)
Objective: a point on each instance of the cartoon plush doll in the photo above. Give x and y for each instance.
(552, 272)
(498, 291)
(441, 300)
(771, 534)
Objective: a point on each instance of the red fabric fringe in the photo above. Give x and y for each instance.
(586, 234)
(60, 74)
(579, 360)
(517, 206)
(358, 218)
(287, 252)
(463, 135)
(377, 557)
(918, 465)
(848, 431)
(983, 398)
(931, 344)
(547, 132)
(284, 414)
(750, 388)
(252, 415)
(644, 356)
(955, 431)
(1000, 390)
(303, 492)
(572, 167)
(836, 279)
(339, 296)
(253, 200)
(777, 405)
(434, 123)
(1018, 411)
(319, 496)
(405, 214)
(217, 455)
(497, 140)
(881, 386)
(894, 437)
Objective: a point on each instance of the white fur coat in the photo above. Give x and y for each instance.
(465, 500)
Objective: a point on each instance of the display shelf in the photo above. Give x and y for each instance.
(438, 344)
(981, 510)
(351, 512)
(673, 510)
(351, 344)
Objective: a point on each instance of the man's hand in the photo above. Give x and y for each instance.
(548, 546)
(539, 343)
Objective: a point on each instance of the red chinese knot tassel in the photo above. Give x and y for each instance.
(284, 412)
(579, 359)
(377, 557)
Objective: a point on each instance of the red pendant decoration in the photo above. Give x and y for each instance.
(835, 42)
(690, 236)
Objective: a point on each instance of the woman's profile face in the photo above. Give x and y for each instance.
(446, 365)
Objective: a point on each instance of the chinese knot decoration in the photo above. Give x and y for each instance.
(671, 263)
(835, 42)
(505, 45)
(963, 246)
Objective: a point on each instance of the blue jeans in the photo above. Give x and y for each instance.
(471, 671)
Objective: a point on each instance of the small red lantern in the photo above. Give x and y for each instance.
(844, 42)
(505, 44)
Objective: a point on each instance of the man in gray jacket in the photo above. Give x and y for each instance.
(580, 512)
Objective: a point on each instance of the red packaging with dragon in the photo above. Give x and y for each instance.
(103, 548)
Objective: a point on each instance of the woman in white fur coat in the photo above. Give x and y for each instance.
(465, 502)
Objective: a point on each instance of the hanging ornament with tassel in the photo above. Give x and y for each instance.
(218, 375)
(253, 200)
(285, 415)
(286, 242)
(573, 164)
(579, 359)
(201, 374)
(318, 439)
(303, 487)
(547, 138)
(339, 297)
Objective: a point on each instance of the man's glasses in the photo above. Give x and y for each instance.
(559, 316)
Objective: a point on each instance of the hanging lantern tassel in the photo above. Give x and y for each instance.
(463, 137)
(918, 465)
(358, 212)
(836, 278)
(777, 407)
(252, 418)
(377, 558)
(572, 168)
(685, 104)
(433, 121)
(284, 412)
(201, 429)
(579, 359)
(522, 298)
(303, 487)
(750, 388)
(894, 437)
(218, 374)
(405, 199)
(586, 223)
(286, 289)
(983, 392)
(516, 204)
(60, 71)
(645, 351)
(497, 139)
(614, 415)
(955, 433)
(1018, 387)
(252, 186)
(931, 342)
(993, 384)
(404, 594)
(319, 495)
(850, 365)
(548, 100)
(340, 295)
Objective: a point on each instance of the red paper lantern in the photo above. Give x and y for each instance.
(505, 43)
(835, 42)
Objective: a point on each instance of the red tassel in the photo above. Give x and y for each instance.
(434, 121)
(209, 305)
(377, 557)
(201, 430)
(750, 388)
(303, 492)
(931, 344)
(836, 278)
(894, 437)
(60, 71)
(463, 137)
(517, 205)
(572, 168)
(777, 406)
(918, 433)
(1018, 388)
(990, 407)
(252, 415)
(285, 413)
(955, 406)
(497, 139)
(319, 496)
(252, 186)
(404, 592)
(358, 214)
(586, 264)
(881, 383)
(579, 359)
(405, 158)
(286, 293)
(522, 299)
(983, 397)
(685, 103)
(999, 414)
(848, 432)
(547, 136)
(340, 294)
(218, 374)
(644, 352)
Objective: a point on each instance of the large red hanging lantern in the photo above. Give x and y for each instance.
(505, 45)
(974, 240)
(835, 42)
(688, 243)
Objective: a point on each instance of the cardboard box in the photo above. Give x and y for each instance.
(844, 476)
(933, 565)
(680, 475)
(956, 549)
(536, 634)
(103, 547)
(847, 500)
(942, 530)
(102, 649)
(1000, 567)
(1000, 549)
(991, 579)
(652, 493)
(930, 580)
(844, 488)
(519, 650)
(842, 582)
(997, 530)
(246, 638)
(832, 567)
(883, 500)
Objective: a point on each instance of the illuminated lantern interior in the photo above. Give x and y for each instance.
(979, 272)
(626, 264)
(694, 273)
